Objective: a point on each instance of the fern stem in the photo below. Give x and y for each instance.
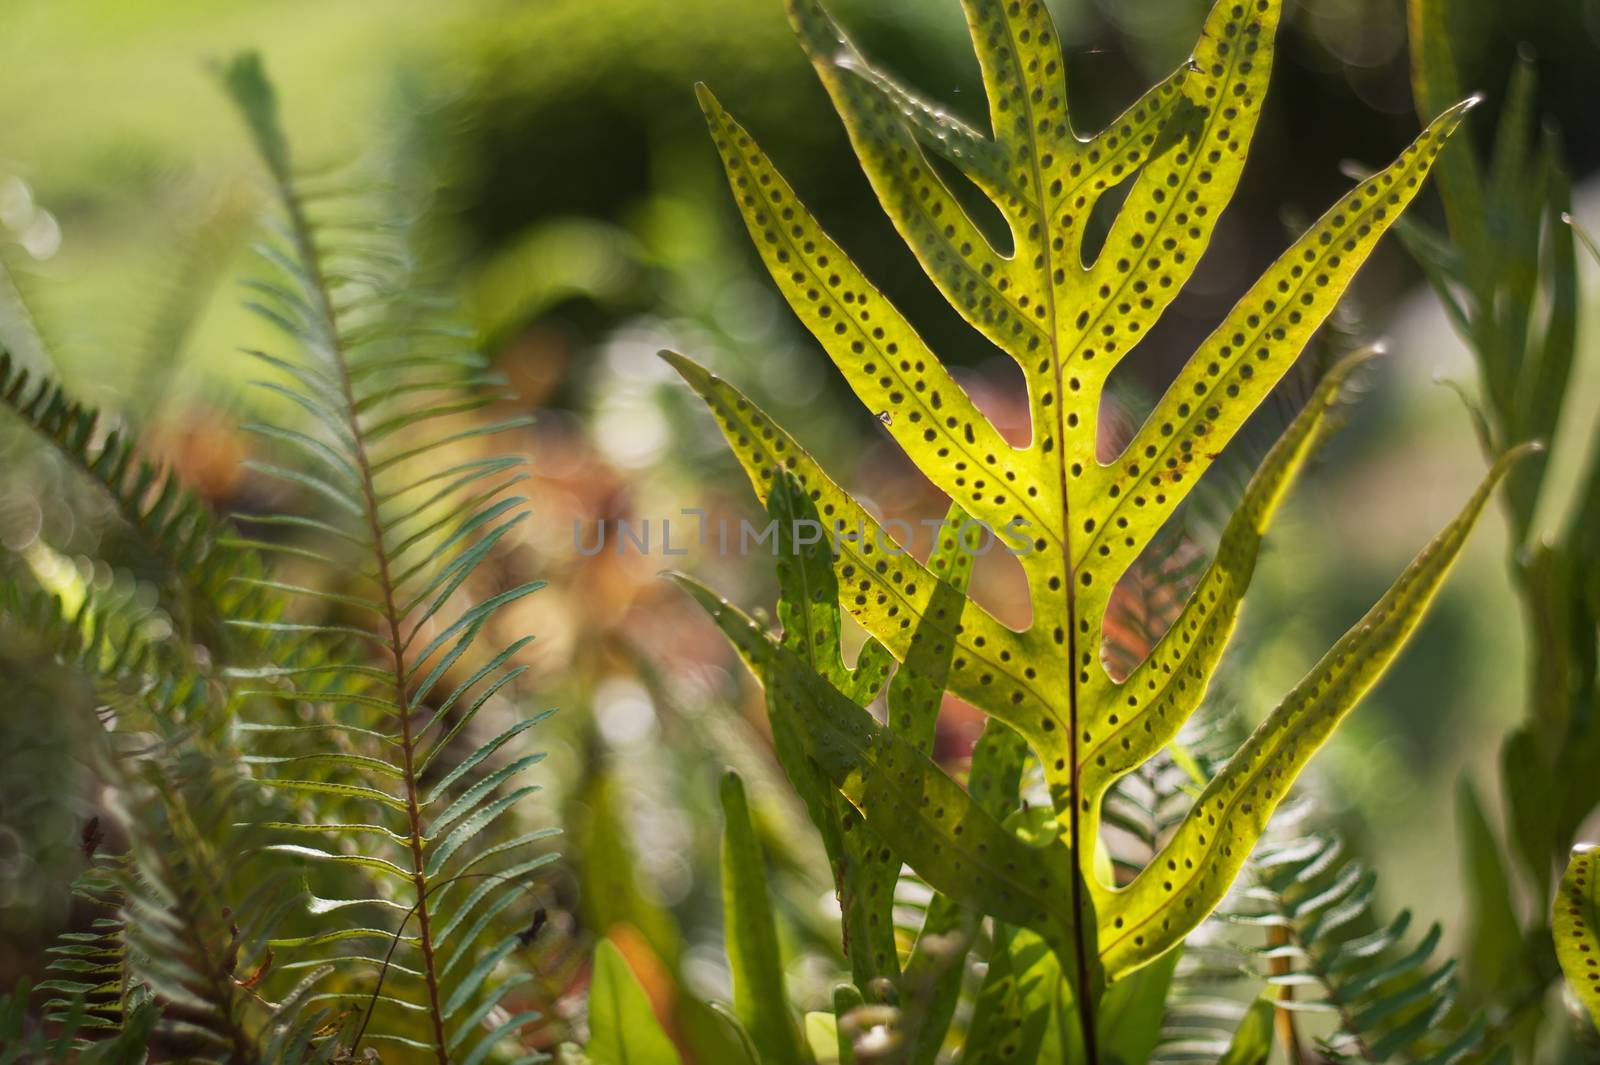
(1283, 1017)
(391, 619)
(1292, 935)
(300, 227)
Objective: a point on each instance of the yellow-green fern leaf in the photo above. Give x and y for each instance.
(958, 847)
(1194, 870)
(1575, 923)
(1077, 523)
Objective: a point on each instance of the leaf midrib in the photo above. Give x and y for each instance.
(1079, 948)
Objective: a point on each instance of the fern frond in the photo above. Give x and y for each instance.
(21, 1043)
(192, 901)
(1390, 999)
(91, 967)
(202, 573)
(376, 369)
(1068, 319)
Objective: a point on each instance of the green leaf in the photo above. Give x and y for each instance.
(1174, 676)
(710, 1032)
(952, 842)
(936, 971)
(509, 894)
(1575, 924)
(760, 999)
(1436, 85)
(365, 861)
(1583, 236)
(474, 1019)
(1252, 1041)
(1131, 1012)
(474, 979)
(1076, 523)
(623, 1028)
(1495, 933)
(1195, 868)
(356, 762)
(479, 792)
(611, 891)
(822, 1038)
(486, 1045)
(864, 870)
(347, 791)
(472, 826)
(1021, 1011)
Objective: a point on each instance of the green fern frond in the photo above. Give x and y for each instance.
(759, 997)
(202, 571)
(193, 900)
(1068, 319)
(396, 760)
(90, 967)
(22, 1043)
(186, 862)
(1390, 999)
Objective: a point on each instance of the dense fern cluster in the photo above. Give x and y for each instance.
(323, 848)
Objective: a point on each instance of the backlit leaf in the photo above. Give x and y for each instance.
(623, 1028)
(759, 997)
(1575, 924)
(1068, 314)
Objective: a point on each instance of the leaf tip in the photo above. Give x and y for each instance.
(1349, 364)
(243, 72)
(692, 372)
(731, 788)
(677, 361)
(708, 100)
(710, 601)
(1514, 455)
